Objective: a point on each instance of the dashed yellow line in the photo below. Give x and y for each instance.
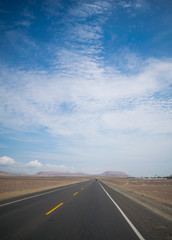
(54, 209)
(75, 193)
(62, 203)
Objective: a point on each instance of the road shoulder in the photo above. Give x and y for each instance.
(154, 217)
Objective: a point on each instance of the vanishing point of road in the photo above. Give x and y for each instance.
(82, 211)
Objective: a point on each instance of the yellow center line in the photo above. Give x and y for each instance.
(82, 188)
(75, 193)
(54, 209)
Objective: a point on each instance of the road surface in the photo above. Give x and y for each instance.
(82, 211)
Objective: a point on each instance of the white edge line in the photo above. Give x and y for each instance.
(123, 214)
(37, 195)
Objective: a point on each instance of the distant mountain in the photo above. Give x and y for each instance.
(56, 173)
(116, 174)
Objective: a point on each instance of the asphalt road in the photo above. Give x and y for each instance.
(81, 211)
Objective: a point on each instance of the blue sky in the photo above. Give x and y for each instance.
(86, 86)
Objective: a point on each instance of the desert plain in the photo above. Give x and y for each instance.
(158, 189)
(12, 186)
(152, 198)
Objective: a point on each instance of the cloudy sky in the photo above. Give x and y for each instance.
(86, 86)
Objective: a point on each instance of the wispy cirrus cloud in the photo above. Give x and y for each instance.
(85, 9)
(136, 4)
(49, 100)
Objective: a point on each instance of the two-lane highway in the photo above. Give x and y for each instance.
(80, 211)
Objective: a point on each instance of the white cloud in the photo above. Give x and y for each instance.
(6, 161)
(134, 5)
(87, 96)
(124, 4)
(85, 10)
(10, 165)
(34, 164)
(141, 4)
(54, 167)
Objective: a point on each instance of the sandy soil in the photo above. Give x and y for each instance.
(159, 190)
(14, 186)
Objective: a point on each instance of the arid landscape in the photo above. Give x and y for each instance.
(12, 186)
(149, 201)
(159, 189)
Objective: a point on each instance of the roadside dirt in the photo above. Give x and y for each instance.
(159, 190)
(15, 186)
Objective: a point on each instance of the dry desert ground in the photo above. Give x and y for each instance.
(17, 185)
(159, 189)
